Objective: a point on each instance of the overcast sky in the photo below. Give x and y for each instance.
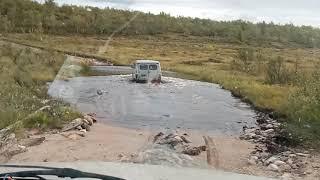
(298, 12)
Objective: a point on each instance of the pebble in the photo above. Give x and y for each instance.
(253, 160)
(290, 161)
(83, 130)
(285, 168)
(292, 155)
(273, 167)
(279, 163)
(248, 131)
(269, 126)
(269, 131)
(302, 154)
(270, 160)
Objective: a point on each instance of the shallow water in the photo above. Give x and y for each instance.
(176, 103)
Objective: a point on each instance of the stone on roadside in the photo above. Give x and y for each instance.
(273, 167)
(85, 126)
(270, 160)
(285, 168)
(269, 126)
(268, 131)
(253, 160)
(82, 134)
(290, 161)
(279, 163)
(72, 125)
(247, 131)
(83, 130)
(185, 139)
(85, 121)
(194, 151)
(302, 154)
(89, 119)
(292, 155)
(248, 136)
(32, 141)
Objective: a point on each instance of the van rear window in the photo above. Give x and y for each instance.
(153, 67)
(143, 67)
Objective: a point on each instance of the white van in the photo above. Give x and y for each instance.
(146, 70)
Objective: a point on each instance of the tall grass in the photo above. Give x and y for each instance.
(23, 74)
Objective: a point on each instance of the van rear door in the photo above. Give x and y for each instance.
(143, 71)
(153, 72)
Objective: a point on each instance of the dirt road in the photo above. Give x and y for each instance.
(109, 143)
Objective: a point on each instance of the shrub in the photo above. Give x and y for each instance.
(277, 72)
(303, 109)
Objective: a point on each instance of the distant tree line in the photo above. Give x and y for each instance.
(26, 16)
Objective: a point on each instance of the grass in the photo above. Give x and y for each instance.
(205, 60)
(24, 73)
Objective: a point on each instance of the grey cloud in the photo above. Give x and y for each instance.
(280, 11)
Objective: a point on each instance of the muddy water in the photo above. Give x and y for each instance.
(176, 103)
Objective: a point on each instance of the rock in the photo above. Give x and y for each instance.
(85, 126)
(32, 141)
(269, 126)
(292, 155)
(248, 136)
(85, 121)
(13, 149)
(261, 120)
(178, 138)
(290, 161)
(270, 160)
(253, 160)
(268, 131)
(120, 155)
(89, 119)
(93, 116)
(273, 167)
(194, 151)
(286, 176)
(83, 130)
(79, 128)
(156, 137)
(279, 163)
(294, 166)
(184, 139)
(264, 155)
(82, 134)
(247, 131)
(285, 168)
(72, 125)
(302, 154)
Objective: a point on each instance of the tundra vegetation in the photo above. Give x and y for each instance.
(24, 75)
(274, 67)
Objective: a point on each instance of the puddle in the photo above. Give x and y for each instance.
(177, 103)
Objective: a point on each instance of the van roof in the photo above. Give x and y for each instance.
(147, 61)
